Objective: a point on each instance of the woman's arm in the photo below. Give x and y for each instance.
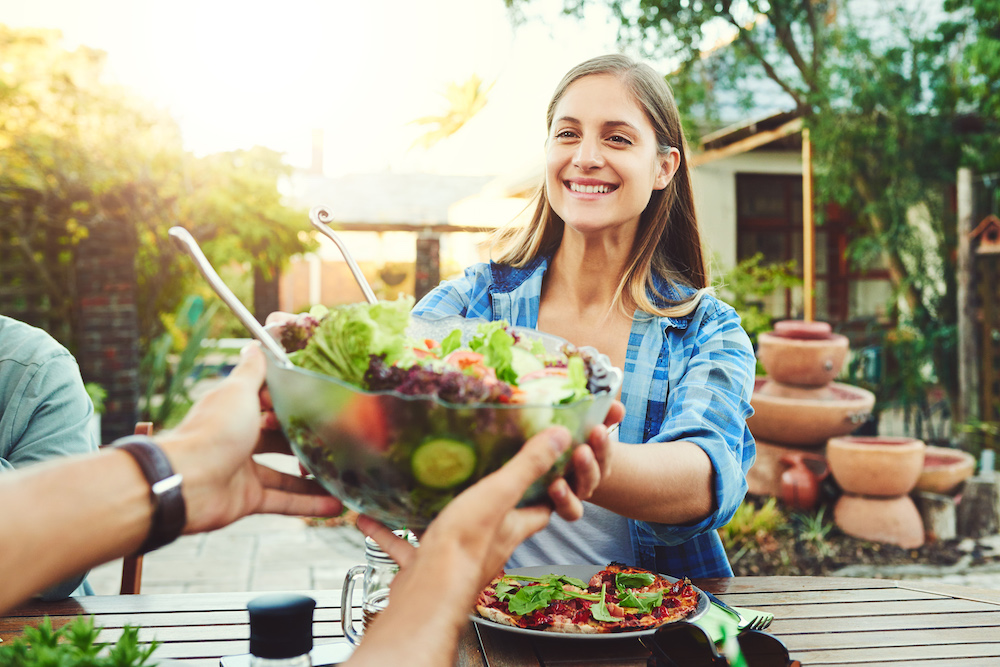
(659, 482)
(694, 468)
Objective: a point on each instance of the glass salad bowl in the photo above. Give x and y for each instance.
(399, 458)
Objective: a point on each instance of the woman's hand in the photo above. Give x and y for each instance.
(589, 465)
(213, 446)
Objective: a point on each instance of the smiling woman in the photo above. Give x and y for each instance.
(612, 259)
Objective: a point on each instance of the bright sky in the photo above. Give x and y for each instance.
(235, 73)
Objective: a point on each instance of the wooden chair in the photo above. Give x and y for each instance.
(132, 565)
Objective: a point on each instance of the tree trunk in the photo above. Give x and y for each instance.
(968, 355)
(938, 513)
(265, 293)
(979, 509)
(897, 273)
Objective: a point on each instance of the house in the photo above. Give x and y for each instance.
(385, 221)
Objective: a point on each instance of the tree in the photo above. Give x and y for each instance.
(464, 101)
(881, 86)
(77, 153)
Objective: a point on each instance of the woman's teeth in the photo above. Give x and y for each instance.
(589, 189)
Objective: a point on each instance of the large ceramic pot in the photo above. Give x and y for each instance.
(944, 469)
(876, 465)
(805, 362)
(888, 520)
(801, 417)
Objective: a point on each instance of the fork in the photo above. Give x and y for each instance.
(746, 618)
(751, 619)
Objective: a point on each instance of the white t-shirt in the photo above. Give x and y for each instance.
(599, 538)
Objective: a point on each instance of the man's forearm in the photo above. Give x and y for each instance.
(107, 493)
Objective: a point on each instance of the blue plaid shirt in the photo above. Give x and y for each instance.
(686, 378)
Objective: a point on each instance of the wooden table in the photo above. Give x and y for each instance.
(822, 620)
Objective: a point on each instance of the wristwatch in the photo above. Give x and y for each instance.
(169, 510)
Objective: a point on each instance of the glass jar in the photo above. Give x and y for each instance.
(376, 575)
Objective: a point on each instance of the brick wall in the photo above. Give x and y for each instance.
(107, 329)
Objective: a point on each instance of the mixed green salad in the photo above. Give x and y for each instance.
(436, 412)
(368, 346)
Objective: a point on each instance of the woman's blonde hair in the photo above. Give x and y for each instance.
(667, 243)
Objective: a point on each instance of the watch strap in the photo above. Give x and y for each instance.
(169, 510)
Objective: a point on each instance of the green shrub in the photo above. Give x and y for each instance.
(743, 285)
(170, 366)
(97, 394)
(753, 524)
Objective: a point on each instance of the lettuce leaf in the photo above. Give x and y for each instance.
(600, 610)
(494, 343)
(349, 335)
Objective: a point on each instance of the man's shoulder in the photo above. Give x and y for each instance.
(28, 345)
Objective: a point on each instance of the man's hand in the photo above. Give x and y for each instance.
(213, 447)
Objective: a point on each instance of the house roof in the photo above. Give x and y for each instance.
(385, 197)
(739, 131)
(780, 131)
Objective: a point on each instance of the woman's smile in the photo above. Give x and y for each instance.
(589, 186)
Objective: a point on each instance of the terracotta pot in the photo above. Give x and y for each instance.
(803, 329)
(799, 417)
(800, 482)
(876, 465)
(889, 520)
(802, 362)
(944, 469)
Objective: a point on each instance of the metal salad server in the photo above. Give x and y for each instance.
(319, 216)
(185, 241)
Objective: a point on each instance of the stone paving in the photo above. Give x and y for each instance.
(257, 553)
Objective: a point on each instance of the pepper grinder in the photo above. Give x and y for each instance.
(281, 633)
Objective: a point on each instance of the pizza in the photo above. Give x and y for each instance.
(619, 598)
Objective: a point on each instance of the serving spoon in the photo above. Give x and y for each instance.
(185, 241)
(319, 216)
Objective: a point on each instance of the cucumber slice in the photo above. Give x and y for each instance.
(441, 463)
(524, 362)
(546, 390)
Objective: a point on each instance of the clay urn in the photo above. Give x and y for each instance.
(889, 520)
(807, 417)
(800, 481)
(765, 475)
(790, 358)
(944, 469)
(879, 466)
